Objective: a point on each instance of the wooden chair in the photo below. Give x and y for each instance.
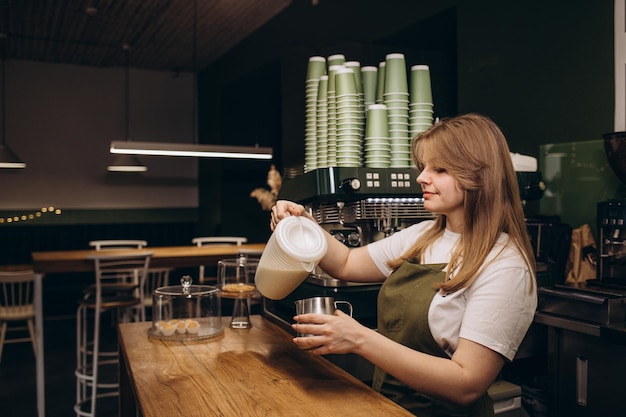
(17, 305)
(215, 240)
(119, 283)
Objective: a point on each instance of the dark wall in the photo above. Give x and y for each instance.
(542, 70)
(74, 229)
(248, 109)
(255, 94)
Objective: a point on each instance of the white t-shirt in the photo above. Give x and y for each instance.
(495, 311)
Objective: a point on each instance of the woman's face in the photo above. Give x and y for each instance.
(442, 194)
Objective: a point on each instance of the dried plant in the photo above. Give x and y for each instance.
(265, 197)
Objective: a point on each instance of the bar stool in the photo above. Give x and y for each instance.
(111, 244)
(157, 277)
(215, 240)
(119, 284)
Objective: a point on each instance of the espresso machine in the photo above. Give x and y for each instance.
(359, 205)
(356, 205)
(611, 222)
(611, 251)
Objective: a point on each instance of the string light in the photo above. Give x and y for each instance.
(30, 216)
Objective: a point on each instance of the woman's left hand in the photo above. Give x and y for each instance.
(338, 333)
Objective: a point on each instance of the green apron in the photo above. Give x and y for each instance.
(403, 304)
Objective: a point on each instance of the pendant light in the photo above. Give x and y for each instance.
(194, 149)
(127, 163)
(8, 158)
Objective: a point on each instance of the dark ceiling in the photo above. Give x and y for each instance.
(159, 32)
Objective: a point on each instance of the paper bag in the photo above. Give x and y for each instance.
(581, 263)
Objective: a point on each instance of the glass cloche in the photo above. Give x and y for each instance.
(186, 312)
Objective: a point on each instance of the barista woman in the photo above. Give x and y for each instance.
(459, 292)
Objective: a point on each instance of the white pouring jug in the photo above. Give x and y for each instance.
(291, 254)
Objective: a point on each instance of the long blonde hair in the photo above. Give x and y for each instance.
(473, 149)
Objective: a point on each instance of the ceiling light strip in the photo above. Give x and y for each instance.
(181, 149)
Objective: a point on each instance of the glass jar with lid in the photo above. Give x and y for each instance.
(186, 312)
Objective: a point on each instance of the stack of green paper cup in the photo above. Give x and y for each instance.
(377, 145)
(315, 69)
(396, 98)
(349, 119)
(358, 78)
(320, 158)
(332, 115)
(364, 116)
(421, 108)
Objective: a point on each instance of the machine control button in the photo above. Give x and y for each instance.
(394, 184)
(350, 185)
(393, 176)
(377, 184)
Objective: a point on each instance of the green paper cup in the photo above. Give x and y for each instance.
(345, 83)
(422, 106)
(376, 122)
(355, 66)
(322, 90)
(369, 75)
(421, 119)
(350, 133)
(332, 82)
(316, 67)
(396, 76)
(421, 90)
(380, 84)
(421, 112)
(336, 59)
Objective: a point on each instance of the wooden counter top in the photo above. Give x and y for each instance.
(164, 256)
(255, 372)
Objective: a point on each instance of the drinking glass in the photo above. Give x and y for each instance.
(236, 281)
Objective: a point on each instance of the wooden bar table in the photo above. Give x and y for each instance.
(78, 261)
(253, 372)
(164, 256)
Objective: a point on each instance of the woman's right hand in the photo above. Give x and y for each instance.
(284, 208)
